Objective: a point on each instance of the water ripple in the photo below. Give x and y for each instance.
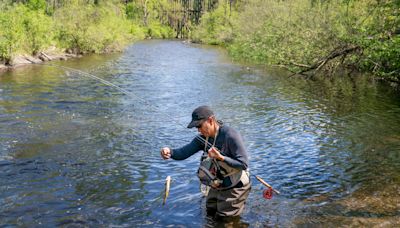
(74, 152)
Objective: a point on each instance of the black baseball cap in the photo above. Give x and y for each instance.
(199, 115)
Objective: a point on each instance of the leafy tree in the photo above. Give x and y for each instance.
(36, 4)
(216, 26)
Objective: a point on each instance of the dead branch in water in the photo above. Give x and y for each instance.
(338, 52)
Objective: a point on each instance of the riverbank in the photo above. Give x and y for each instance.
(32, 34)
(310, 38)
(43, 56)
(326, 38)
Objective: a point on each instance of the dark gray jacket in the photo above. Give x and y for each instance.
(229, 143)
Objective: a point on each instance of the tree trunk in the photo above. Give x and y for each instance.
(145, 12)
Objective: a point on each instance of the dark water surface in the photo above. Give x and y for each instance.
(74, 152)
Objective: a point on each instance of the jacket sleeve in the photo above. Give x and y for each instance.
(188, 150)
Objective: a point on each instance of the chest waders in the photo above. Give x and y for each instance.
(213, 173)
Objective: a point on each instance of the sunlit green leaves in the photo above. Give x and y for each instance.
(18, 33)
(216, 26)
(92, 28)
(302, 32)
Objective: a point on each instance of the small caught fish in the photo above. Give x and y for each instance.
(167, 187)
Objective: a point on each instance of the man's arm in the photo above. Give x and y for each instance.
(188, 150)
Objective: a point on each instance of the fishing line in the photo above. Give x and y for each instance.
(124, 91)
(267, 193)
(106, 82)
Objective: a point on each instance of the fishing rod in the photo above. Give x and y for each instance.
(267, 193)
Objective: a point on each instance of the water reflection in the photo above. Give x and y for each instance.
(74, 152)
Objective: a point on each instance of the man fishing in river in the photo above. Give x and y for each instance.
(223, 165)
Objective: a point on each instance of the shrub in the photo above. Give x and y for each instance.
(159, 31)
(215, 26)
(302, 32)
(12, 32)
(23, 31)
(92, 28)
(38, 31)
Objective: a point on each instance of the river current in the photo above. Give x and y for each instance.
(75, 152)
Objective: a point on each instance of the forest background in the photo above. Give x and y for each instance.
(306, 37)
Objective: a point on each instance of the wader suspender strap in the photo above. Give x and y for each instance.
(205, 145)
(205, 149)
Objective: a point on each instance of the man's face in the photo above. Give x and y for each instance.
(205, 127)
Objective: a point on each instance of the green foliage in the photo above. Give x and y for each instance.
(77, 26)
(215, 27)
(382, 57)
(36, 4)
(285, 32)
(133, 11)
(159, 31)
(91, 28)
(38, 31)
(23, 31)
(11, 34)
(138, 32)
(302, 32)
(293, 33)
(150, 14)
(380, 39)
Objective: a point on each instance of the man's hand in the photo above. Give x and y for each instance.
(214, 153)
(165, 153)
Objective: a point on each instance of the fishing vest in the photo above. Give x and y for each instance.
(217, 174)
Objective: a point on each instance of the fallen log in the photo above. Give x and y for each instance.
(340, 51)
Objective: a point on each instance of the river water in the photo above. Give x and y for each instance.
(75, 152)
